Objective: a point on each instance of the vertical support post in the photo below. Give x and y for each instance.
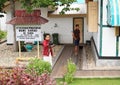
(19, 48)
(101, 23)
(117, 46)
(38, 47)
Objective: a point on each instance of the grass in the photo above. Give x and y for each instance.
(92, 81)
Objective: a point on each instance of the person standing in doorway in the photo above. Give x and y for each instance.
(76, 38)
(47, 49)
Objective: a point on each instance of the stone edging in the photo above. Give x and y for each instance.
(2, 41)
(58, 55)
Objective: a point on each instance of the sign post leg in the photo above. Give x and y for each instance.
(19, 48)
(38, 49)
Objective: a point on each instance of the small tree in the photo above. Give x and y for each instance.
(39, 66)
(71, 69)
(29, 5)
(2, 2)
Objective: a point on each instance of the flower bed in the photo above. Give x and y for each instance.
(36, 73)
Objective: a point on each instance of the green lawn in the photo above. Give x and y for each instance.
(93, 81)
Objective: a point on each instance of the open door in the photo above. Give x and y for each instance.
(81, 25)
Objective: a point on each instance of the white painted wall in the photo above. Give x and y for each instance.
(64, 28)
(3, 22)
(9, 27)
(96, 37)
(109, 42)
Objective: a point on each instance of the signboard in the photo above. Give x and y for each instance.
(28, 33)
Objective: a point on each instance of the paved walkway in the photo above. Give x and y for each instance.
(82, 62)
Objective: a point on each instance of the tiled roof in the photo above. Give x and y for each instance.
(24, 18)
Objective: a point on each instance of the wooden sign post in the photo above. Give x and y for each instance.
(38, 48)
(19, 48)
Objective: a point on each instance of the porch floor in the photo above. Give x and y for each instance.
(84, 64)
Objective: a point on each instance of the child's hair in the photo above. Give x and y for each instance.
(46, 35)
(77, 25)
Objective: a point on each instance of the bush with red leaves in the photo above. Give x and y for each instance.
(18, 76)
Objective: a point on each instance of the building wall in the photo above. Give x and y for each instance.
(96, 35)
(9, 27)
(109, 42)
(2, 22)
(105, 35)
(64, 27)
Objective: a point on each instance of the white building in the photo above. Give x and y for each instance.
(64, 24)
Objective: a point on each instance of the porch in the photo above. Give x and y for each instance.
(85, 63)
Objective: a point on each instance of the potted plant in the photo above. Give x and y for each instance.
(2, 35)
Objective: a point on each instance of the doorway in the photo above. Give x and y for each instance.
(79, 21)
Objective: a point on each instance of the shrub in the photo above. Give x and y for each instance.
(18, 76)
(2, 34)
(71, 69)
(39, 66)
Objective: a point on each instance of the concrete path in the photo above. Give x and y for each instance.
(82, 63)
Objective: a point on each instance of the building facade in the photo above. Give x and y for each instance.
(63, 25)
(106, 41)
